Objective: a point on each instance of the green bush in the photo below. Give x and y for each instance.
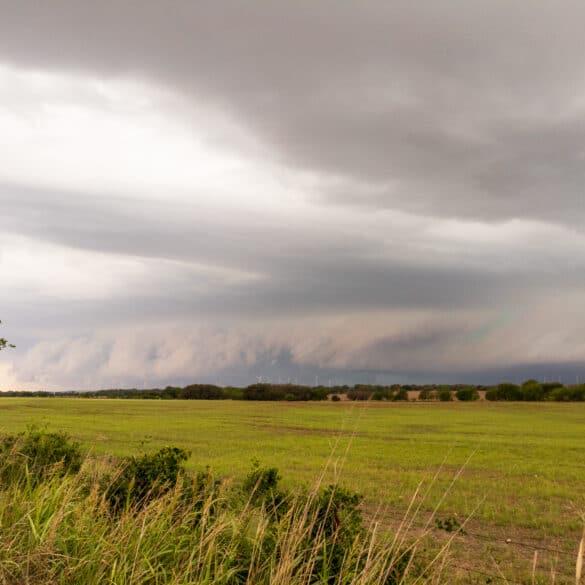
(260, 488)
(261, 481)
(36, 454)
(146, 477)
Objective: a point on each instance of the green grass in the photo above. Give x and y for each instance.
(61, 522)
(516, 468)
(522, 463)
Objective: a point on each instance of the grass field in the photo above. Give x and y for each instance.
(518, 468)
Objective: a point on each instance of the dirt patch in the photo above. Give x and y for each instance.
(289, 429)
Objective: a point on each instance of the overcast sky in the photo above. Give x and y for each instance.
(361, 191)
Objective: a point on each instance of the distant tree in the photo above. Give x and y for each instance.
(504, 391)
(4, 343)
(445, 395)
(425, 394)
(532, 391)
(360, 392)
(548, 387)
(402, 394)
(530, 382)
(468, 393)
(201, 392)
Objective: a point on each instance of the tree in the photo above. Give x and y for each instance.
(468, 393)
(4, 344)
(445, 395)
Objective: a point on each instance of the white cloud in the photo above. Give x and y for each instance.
(128, 138)
(33, 269)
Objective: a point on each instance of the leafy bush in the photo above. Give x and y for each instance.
(338, 513)
(37, 454)
(146, 477)
(261, 481)
(333, 516)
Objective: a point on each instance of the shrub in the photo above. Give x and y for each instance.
(261, 481)
(38, 453)
(143, 478)
(338, 525)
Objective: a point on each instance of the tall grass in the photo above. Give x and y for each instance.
(60, 524)
(72, 518)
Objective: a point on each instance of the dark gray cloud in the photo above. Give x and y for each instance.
(458, 109)
(292, 268)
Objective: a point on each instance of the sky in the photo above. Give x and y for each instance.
(339, 192)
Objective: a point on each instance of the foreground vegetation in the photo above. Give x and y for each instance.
(71, 519)
(511, 473)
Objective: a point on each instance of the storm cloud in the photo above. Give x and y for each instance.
(216, 190)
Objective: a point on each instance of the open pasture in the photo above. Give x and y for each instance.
(517, 469)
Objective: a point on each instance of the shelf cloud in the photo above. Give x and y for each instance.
(217, 191)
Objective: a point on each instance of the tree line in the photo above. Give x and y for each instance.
(534, 391)
(529, 391)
